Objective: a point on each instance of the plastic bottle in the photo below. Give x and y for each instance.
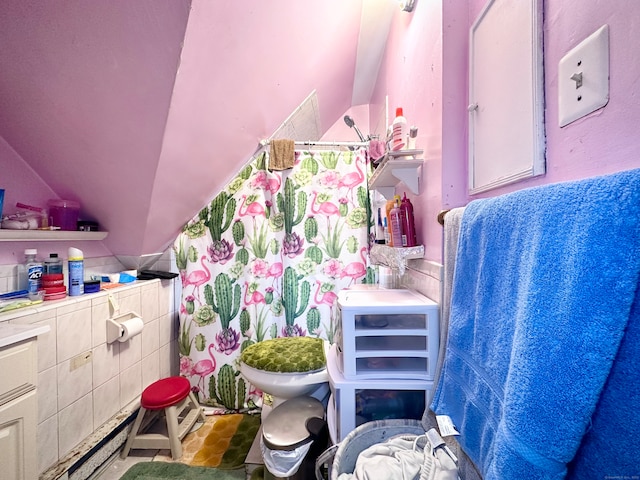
(380, 229)
(387, 209)
(53, 264)
(33, 268)
(408, 222)
(396, 224)
(400, 130)
(387, 237)
(76, 272)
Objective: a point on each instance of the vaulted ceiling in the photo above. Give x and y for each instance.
(143, 110)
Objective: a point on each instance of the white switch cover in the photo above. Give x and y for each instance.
(583, 77)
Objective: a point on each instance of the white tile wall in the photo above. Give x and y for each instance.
(74, 398)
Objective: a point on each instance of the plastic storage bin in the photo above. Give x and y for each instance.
(387, 334)
(63, 214)
(356, 402)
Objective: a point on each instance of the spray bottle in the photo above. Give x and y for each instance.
(76, 272)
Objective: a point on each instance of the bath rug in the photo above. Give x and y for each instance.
(222, 442)
(166, 471)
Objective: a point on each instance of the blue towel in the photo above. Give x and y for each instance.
(544, 283)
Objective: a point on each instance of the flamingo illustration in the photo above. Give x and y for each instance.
(254, 209)
(328, 298)
(205, 367)
(197, 277)
(275, 270)
(355, 269)
(326, 208)
(352, 179)
(256, 296)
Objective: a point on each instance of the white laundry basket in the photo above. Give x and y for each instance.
(362, 437)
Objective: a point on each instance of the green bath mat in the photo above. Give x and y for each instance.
(179, 471)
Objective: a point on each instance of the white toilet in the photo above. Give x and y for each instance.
(283, 385)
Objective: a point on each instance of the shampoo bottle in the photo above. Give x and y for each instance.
(387, 208)
(76, 272)
(396, 224)
(408, 222)
(400, 131)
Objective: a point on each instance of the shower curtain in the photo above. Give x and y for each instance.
(265, 259)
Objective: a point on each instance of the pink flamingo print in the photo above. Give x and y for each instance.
(352, 179)
(328, 298)
(256, 296)
(205, 367)
(326, 208)
(254, 209)
(355, 269)
(275, 270)
(197, 277)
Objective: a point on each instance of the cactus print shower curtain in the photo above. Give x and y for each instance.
(266, 258)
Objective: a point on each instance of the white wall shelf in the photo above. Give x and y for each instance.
(48, 235)
(398, 166)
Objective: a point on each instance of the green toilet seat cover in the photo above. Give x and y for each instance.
(286, 355)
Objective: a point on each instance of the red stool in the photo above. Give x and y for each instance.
(170, 396)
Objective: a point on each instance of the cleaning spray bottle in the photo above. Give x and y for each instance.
(408, 222)
(76, 272)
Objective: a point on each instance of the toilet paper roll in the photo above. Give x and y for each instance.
(130, 328)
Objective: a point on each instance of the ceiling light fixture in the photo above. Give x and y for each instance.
(407, 5)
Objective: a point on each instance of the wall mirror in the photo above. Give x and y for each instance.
(506, 94)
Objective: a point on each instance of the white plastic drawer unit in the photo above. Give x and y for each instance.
(388, 334)
(354, 402)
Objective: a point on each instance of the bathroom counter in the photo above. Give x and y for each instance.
(11, 333)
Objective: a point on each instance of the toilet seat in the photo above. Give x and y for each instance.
(286, 427)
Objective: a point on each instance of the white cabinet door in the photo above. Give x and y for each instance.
(17, 438)
(506, 85)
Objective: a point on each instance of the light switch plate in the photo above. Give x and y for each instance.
(588, 64)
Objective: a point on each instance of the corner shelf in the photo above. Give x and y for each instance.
(48, 235)
(394, 168)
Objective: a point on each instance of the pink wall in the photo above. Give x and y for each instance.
(425, 70)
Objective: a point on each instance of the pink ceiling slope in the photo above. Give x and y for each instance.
(144, 110)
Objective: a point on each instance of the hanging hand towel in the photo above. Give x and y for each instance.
(281, 155)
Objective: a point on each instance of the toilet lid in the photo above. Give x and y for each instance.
(286, 426)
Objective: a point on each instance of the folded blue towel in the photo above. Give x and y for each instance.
(544, 282)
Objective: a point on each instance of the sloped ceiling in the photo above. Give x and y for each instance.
(143, 110)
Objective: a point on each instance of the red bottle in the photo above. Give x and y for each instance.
(408, 222)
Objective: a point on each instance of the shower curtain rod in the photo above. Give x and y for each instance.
(264, 143)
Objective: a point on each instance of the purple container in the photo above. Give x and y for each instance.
(63, 214)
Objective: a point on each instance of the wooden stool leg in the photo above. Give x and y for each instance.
(133, 433)
(195, 404)
(171, 415)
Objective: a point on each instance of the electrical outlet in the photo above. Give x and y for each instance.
(79, 360)
(583, 77)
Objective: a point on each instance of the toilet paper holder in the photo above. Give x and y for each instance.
(115, 330)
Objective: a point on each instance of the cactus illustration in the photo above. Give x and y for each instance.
(310, 164)
(261, 161)
(292, 308)
(290, 204)
(184, 342)
(181, 254)
(227, 386)
(310, 228)
(246, 172)
(313, 320)
(314, 253)
(245, 321)
(242, 256)
(238, 232)
(242, 392)
(329, 159)
(221, 213)
(226, 306)
(363, 197)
